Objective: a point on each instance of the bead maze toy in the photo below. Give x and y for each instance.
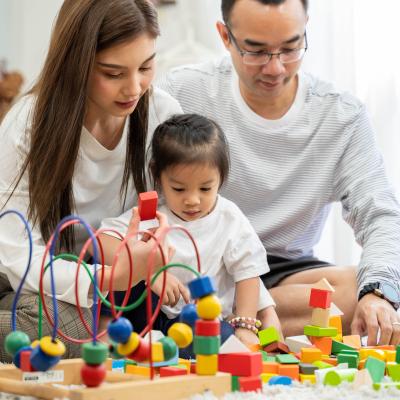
(39, 361)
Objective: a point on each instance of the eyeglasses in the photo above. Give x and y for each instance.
(264, 57)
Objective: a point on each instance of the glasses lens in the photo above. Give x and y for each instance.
(255, 59)
(292, 56)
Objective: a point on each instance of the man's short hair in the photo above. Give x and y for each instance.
(227, 5)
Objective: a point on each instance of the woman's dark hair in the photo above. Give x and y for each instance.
(83, 28)
(188, 139)
(227, 5)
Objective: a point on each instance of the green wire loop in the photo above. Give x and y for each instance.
(130, 307)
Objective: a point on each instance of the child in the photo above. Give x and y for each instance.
(189, 163)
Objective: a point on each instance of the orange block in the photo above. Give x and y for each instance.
(322, 343)
(270, 367)
(332, 361)
(352, 340)
(254, 347)
(310, 354)
(361, 364)
(291, 370)
(336, 322)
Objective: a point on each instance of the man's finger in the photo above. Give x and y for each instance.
(372, 328)
(395, 340)
(385, 325)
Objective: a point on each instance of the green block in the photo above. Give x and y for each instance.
(378, 386)
(321, 364)
(268, 336)
(338, 347)
(337, 376)
(350, 359)
(376, 368)
(354, 352)
(266, 357)
(317, 331)
(235, 387)
(287, 359)
(206, 344)
(398, 354)
(394, 371)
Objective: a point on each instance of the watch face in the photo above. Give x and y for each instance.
(390, 292)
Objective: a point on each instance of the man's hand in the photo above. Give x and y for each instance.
(373, 313)
(174, 289)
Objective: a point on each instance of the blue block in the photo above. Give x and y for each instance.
(201, 287)
(118, 365)
(280, 380)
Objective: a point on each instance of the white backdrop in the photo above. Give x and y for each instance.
(351, 42)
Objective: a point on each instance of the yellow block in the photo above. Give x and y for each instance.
(157, 352)
(309, 355)
(336, 321)
(379, 354)
(265, 376)
(390, 355)
(186, 363)
(307, 378)
(137, 370)
(206, 364)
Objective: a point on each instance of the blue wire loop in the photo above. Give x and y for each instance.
(18, 291)
(95, 262)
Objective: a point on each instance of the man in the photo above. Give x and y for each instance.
(297, 145)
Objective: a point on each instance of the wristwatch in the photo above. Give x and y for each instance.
(384, 290)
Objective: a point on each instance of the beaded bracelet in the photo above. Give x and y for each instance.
(249, 323)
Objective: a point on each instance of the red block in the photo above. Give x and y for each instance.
(277, 347)
(240, 364)
(320, 298)
(208, 327)
(250, 384)
(147, 205)
(25, 362)
(172, 371)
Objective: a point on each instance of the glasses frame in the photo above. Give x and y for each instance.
(266, 53)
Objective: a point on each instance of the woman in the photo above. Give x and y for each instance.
(76, 144)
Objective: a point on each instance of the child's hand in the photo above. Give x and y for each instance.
(174, 289)
(246, 336)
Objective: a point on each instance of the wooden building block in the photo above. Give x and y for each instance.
(309, 369)
(240, 364)
(206, 364)
(398, 354)
(311, 330)
(323, 284)
(137, 370)
(270, 367)
(336, 322)
(323, 343)
(157, 351)
(287, 359)
(296, 343)
(394, 371)
(268, 336)
(309, 355)
(307, 378)
(329, 360)
(376, 368)
(390, 355)
(350, 359)
(206, 344)
(362, 378)
(291, 370)
(147, 205)
(320, 298)
(337, 347)
(277, 347)
(320, 317)
(352, 340)
(250, 383)
(172, 371)
(266, 376)
(205, 327)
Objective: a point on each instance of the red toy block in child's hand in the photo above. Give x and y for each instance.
(147, 205)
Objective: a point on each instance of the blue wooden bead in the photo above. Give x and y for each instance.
(189, 314)
(17, 359)
(201, 287)
(15, 341)
(40, 361)
(120, 330)
(280, 380)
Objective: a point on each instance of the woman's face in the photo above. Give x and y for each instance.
(120, 76)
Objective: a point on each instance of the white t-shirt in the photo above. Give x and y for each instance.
(230, 251)
(96, 187)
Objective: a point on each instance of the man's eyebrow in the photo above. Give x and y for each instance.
(117, 66)
(254, 43)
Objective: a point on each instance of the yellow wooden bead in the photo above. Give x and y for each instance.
(209, 307)
(53, 348)
(130, 346)
(181, 333)
(35, 343)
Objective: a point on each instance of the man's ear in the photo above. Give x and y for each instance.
(223, 33)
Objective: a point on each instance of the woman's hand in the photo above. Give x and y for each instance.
(174, 289)
(269, 317)
(246, 336)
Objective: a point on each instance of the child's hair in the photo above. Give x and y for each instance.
(188, 139)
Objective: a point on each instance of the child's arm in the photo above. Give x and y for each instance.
(246, 305)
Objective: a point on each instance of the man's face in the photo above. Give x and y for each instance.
(257, 27)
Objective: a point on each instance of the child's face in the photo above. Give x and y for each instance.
(190, 190)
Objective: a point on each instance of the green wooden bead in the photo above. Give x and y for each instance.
(169, 347)
(94, 353)
(15, 341)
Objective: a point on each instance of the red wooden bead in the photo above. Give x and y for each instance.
(93, 375)
(142, 352)
(207, 327)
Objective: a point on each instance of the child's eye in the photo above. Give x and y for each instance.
(113, 76)
(205, 189)
(177, 189)
(144, 69)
